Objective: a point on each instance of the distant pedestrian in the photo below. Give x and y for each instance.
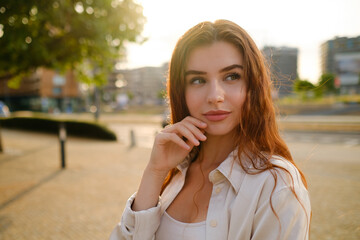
(220, 170)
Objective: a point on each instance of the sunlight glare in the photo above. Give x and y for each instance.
(301, 24)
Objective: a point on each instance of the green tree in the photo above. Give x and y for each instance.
(86, 36)
(327, 82)
(304, 88)
(303, 85)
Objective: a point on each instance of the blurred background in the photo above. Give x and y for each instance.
(83, 94)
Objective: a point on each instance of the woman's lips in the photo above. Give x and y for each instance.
(217, 115)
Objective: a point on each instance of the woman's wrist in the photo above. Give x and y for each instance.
(156, 173)
(149, 189)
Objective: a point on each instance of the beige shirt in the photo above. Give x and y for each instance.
(239, 206)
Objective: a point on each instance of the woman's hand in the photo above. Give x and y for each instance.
(171, 146)
(174, 143)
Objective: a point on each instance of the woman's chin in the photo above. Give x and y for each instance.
(217, 132)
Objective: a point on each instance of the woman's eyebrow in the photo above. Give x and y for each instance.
(194, 72)
(225, 69)
(231, 67)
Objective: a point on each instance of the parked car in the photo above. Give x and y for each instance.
(4, 110)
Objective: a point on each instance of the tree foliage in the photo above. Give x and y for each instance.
(306, 89)
(303, 85)
(87, 36)
(327, 82)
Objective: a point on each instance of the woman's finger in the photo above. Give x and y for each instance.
(183, 131)
(199, 133)
(198, 123)
(189, 119)
(194, 125)
(173, 137)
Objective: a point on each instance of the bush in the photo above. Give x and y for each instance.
(73, 128)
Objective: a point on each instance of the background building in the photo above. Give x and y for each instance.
(142, 86)
(46, 90)
(341, 56)
(283, 66)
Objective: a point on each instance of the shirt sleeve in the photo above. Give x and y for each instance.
(137, 225)
(293, 220)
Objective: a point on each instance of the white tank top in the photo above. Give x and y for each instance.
(172, 229)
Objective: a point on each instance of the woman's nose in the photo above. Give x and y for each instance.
(216, 93)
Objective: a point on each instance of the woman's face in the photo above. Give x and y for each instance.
(215, 87)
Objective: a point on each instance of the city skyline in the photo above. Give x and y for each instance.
(301, 24)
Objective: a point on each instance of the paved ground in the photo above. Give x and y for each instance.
(40, 201)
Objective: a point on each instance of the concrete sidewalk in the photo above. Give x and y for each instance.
(85, 201)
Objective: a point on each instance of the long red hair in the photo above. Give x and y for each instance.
(258, 137)
(257, 130)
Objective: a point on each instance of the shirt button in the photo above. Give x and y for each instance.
(218, 176)
(213, 223)
(215, 176)
(217, 190)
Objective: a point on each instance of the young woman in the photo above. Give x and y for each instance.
(220, 170)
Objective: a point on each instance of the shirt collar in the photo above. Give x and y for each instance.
(229, 170)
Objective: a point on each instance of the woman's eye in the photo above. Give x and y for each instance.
(232, 77)
(196, 81)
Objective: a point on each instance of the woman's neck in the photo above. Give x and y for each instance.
(215, 150)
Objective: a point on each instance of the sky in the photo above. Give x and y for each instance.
(304, 24)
